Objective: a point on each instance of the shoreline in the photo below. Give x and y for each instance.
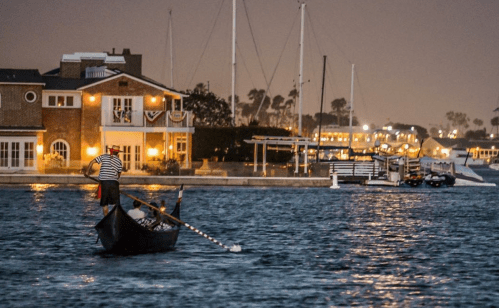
(13, 179)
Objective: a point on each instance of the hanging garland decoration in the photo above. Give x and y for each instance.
(152, 116)
(177, 115)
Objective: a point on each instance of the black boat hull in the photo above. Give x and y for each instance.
(119, 233)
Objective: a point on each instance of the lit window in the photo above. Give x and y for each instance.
(181, 144)
(61, 101)
(62, 148)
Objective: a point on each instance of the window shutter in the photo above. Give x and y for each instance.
(106, 110)
(138, 107)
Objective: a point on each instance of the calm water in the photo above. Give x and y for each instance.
(310, 247)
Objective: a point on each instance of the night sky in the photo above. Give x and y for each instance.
(414, 60)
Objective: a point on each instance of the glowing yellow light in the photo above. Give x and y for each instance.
(91, 151)
(153, 99)
(92, 98)
(365, 127)
(152, 152)
(39, 149)
(170, 147)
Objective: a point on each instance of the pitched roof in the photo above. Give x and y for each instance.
(20, 76)
(142, 79)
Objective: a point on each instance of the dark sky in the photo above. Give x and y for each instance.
(415, 60)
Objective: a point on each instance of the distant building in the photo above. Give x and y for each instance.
(335, 141)
(96, 100)
(460, 150)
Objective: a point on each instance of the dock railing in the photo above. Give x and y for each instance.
(353, 170)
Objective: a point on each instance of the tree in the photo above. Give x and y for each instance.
(458, 119)
(477, 122)
(479, 134)
(249, 110)
(279, 107)
(495, 122)
(338, 107)
(208, 109)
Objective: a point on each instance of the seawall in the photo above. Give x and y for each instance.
(23, 179)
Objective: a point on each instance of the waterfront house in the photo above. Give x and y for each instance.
(95, 100)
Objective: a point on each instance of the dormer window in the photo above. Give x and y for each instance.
(61, 101)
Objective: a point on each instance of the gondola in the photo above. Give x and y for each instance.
(119, 233)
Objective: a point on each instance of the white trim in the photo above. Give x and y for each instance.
(13, 130)
(21, 140)
(75, 94)
(133, 78)
(68, 150)
(24, 83)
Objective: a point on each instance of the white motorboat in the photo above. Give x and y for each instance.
(464, 175)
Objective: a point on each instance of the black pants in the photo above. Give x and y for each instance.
(110, 192)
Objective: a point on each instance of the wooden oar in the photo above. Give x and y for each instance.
(234, 248)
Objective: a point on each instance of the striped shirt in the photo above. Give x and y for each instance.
(111, 167)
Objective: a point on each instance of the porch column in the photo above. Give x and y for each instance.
(306, 158)
(167, 150)
(144, 152)
(264, 159)
(187, 150)
(297, 157)
(255, 158)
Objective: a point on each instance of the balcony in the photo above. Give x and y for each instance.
(149, 120)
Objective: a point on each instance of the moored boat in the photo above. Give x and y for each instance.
(463, 175)
(120, 233)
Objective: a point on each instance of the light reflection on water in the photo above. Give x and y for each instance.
(356, 246)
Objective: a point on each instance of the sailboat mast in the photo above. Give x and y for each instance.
(351, 114)
(300, 107)
(171, 50)
(233, 97)
(320, 114)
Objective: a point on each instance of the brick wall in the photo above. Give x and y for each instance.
(16, 111)
(65, 124)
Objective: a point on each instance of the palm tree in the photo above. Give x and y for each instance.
(338, 106)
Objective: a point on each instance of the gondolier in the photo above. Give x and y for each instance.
(110, 172)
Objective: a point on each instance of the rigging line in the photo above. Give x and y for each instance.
(331, 77)
(245, 66)
(254, 42)
(277, 65)
(361, 91)
(321, 52)
(207, 41)
(334, 41)
(163, 66)
(310, 60)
